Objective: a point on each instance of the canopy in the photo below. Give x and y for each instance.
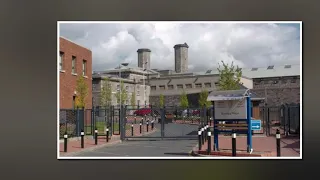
(228, 95)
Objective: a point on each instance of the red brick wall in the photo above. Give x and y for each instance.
(67, 79)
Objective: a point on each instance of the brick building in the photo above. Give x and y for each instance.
(74, 61)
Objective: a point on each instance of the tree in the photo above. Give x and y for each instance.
(184, 100)
(203, 99)
(161, 100)
(123, 94)
(106, 93)
(133, 99)
(230, 77)
(82, 92)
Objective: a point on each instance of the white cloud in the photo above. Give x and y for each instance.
(248, 45)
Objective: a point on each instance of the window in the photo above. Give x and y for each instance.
(118, 87)
(188, 86)
(199, 85)
(138, 102)
(138, 93)
(61, 61)
(170, 86)
(207, 85)
(74, 65)
(153, 88)
(180, 86)
(270, 67)
(127, 88)
(216, 84)
(127, 102)
(84, 67)
(161, 87)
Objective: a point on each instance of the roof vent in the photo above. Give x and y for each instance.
(208, 72)
(287, 66)
(254, 69)
(270, 67)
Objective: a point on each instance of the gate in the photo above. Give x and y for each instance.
(286, 118)
(168, 122)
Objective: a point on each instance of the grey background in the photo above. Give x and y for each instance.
(29, 89)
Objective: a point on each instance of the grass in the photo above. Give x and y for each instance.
(101, 127)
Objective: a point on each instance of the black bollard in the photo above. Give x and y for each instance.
(234, 143)
(65, 136)
(107, 134)
(202, 135)
(200, 138)
(135, 119)
(152, 125)
(140, 128)
(148, 126)
(96, 136)
(278, 143)
(209, 141)
(82, 138)
(131, 129)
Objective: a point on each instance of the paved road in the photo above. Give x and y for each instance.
(152, 147)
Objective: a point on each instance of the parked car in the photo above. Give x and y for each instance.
(145, 111)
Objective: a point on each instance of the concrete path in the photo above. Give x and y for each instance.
(144, 148)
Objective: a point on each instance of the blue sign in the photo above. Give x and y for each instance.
(256, 125)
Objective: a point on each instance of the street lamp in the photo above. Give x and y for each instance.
(120, 65)
(144, 84)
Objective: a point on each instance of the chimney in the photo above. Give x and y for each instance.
(181, 58)
(144, 58)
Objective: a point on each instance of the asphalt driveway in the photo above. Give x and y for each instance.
(152, 147)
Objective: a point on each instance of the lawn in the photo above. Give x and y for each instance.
(101, 128)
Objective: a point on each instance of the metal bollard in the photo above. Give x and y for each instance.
(140, 128)
(278, 143)
(234, 143)
(209, 142)
(152, 125)
(65, 136)
(202, 135)
(107, 134)
(96, 136)
(82, 138)
(200, 138)
(148, 126)
(131, 129)
(135, 119)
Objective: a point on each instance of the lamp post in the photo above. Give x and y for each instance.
(122, 64)
(144, 83)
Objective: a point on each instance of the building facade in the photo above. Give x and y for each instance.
(74, 61)
(134, 79)
(276, 84)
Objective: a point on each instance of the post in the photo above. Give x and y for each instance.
(107, 134)
(148, 126)
(131, 129)
(65, 142)
(210, 121)
(209, 141)
(199, 138)
(152, 124)
(82, 138)
(96, 136)
(135, 119)
(278, 143)
(140, 127)
(234, 143)
(202, 135)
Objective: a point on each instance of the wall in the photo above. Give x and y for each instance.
(285, 90)
(67, 79)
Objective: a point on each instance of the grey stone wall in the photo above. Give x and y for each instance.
(277, 91)
(181, 59)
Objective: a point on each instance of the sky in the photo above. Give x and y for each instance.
(245, 44)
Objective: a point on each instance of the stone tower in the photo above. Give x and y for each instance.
(181, 58)
(143, 58)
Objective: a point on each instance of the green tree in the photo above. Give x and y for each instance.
(203, 99)
(123, 94)
(82, 92)
(161, 100)
(106, 93)
(133, 99)
(230, 77)
(184, 100)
